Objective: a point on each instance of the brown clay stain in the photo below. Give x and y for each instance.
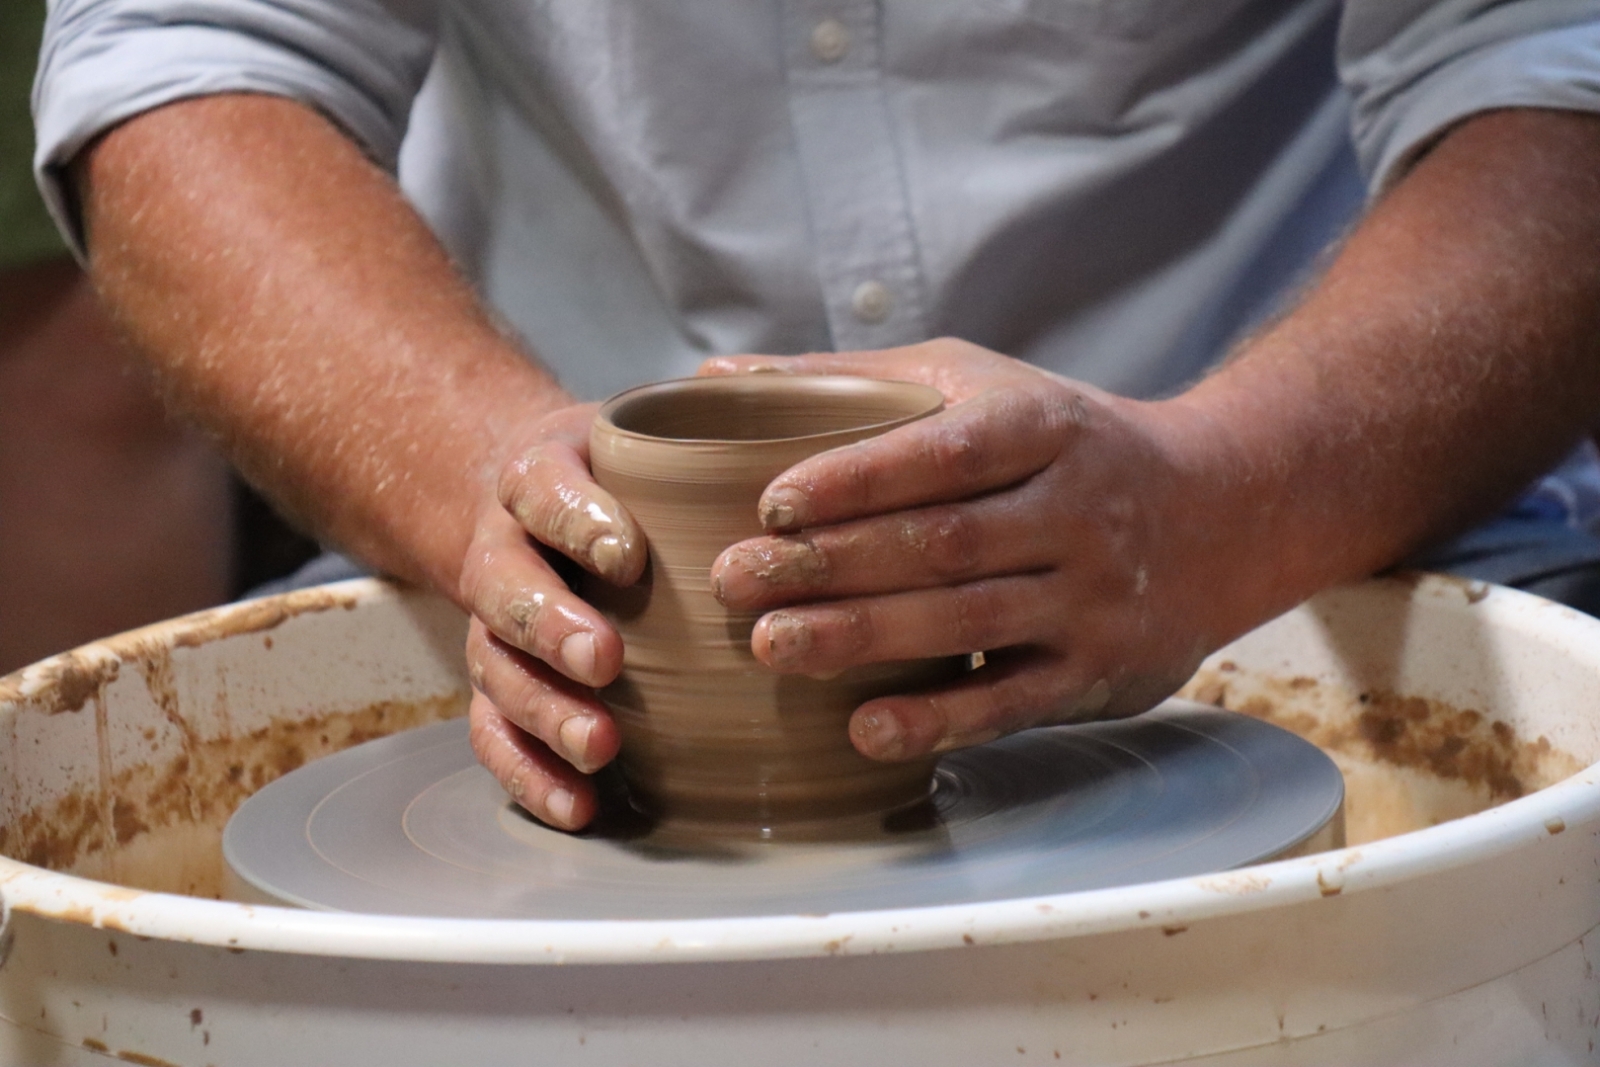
(155, 665)
(202, 785)
(1460, 744)
(67, 682)
(258, 616)
(141, 1058)
(1237, 884)
(95, 1046)
(63, 683)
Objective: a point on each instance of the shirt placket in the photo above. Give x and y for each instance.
(866, 250)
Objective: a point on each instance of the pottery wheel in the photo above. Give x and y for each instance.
(411, 825)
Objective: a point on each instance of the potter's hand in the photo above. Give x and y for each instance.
(535, 651)
(1059, 530)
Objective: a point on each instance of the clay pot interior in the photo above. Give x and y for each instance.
(715, 745)
(764, 408)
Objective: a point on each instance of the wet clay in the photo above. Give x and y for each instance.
(1408, 761)
(714, 742)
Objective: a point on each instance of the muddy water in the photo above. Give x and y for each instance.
(1408, 763)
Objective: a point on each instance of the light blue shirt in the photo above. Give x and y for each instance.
(1113, 189)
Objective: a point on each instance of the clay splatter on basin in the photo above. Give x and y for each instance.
(1408, 762)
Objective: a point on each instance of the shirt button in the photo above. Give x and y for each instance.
(871, 301)
(830, 41)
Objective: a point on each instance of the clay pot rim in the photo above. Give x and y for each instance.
(934, 401)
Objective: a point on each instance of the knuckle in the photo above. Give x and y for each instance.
(1062, 412)
(856, 478)
(976, 617)
(485, 736)
(857, 627)
(522, 612)
(955, 453)
(949, 543)
(514, 479)
(470, 583)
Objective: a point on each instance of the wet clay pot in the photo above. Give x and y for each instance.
(714, 743)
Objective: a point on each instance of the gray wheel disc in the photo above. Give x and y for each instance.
(411, 825)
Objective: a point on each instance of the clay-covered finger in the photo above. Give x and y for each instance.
(565, 716)
(554, 498)
(991, 441)
(509, 586)
(1013, 691)
(992, 536)
(821, 639)
(547, 786)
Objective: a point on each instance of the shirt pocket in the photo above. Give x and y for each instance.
(1126, 19)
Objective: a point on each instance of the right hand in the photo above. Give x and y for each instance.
(536, 652)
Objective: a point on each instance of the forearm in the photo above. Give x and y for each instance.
(1450, 353)
(295, 305)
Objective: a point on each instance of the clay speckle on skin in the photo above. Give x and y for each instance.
(788, 637)
(783, 563)
(525, 611)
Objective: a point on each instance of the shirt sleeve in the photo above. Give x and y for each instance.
(1417, 67)
(360, 62)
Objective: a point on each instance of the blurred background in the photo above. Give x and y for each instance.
(112, 515)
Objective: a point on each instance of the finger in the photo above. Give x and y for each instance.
(994, 535)
(993, 613)
(509, 586)
(547, 786)
(565, 716)
(1014, 690)
(553, 496)
(991, 441)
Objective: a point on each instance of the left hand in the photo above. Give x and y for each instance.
(1065, 533)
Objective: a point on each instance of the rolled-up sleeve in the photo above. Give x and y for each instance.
(360, 62)
(1417, 67)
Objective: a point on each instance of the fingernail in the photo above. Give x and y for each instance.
(577, 656)
(879, 735)
(558, 804)
(575, 740)
(608, 556)
(788, 638)
(783, 508)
